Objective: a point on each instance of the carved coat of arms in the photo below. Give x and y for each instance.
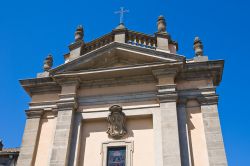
(116, 122)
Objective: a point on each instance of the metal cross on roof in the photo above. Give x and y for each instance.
(121, 12)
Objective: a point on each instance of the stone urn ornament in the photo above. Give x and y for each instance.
(198, 47)
(48, 63)
(79, 33)
(161, 24)
(116, 122)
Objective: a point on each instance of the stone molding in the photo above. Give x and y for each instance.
(76, 44)
(205, 96)
(39, 112)
(118, 98)
(202, 70)
(167, 93)
(167, 97)
(67, 81)
(109, 82)
(119, 31)
(167, 72)
(116, 45)
(166, 88)
(67, 103)
(208, 99)
(34, 113)
(40, 85)
(43, 105)
(144, 112)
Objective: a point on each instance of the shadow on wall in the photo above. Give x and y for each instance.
(96, 130)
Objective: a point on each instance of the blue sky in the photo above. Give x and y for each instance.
(29, 30)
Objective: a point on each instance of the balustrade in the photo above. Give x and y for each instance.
(98, 43)
(132, 38)
(141, 40)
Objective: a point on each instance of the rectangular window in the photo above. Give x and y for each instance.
(116, 156)
(117, 153)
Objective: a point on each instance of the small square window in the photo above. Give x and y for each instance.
(116, 156)
(117, 153)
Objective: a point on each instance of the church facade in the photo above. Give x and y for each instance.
(125, 99)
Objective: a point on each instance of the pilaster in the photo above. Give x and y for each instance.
(169, 123)
(157, 137)
(214, 140)
(30, 138)
(67, 104)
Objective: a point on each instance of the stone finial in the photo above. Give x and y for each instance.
(79, 34)
(48, 63)
(1, 145)
(198, 47)
(161, 24)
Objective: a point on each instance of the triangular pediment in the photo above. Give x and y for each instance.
(116, 55)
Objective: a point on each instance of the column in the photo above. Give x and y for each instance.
(183, 133)
(30, 138)
(66, 106)
(214, 140)
(169, 123)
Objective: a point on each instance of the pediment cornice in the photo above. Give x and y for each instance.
(129, 54)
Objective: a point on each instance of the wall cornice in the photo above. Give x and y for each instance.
(34, 113)
(205, 96)
(67, 102)
(202, 70)
(40, 86)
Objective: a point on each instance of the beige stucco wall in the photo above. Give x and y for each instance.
(198, 147)
(44, 147)
(140, 130)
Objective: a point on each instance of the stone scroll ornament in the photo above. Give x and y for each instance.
(116, 122)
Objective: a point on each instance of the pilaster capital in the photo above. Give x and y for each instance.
(64, 81)
(166, 88)
(208, 99)
(67, 102)
(164, 98)
(167, 93)
(170, 72)
(182, 101)
(31, 114)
